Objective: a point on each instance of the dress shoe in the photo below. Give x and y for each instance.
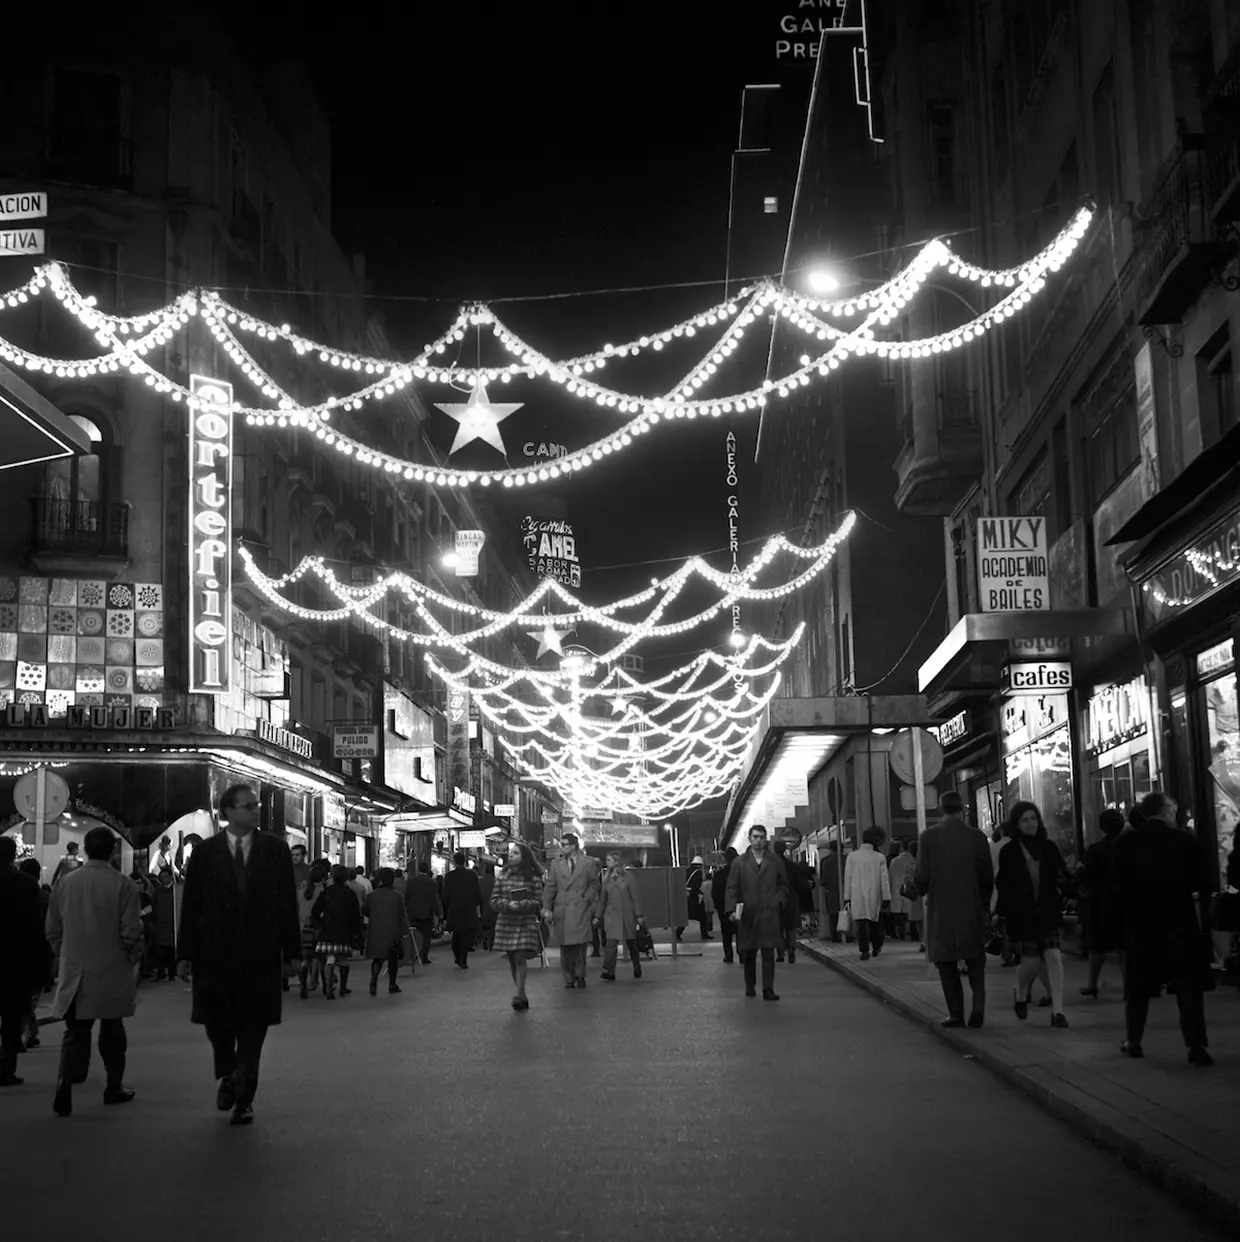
(393, 986)
(595, 953)
(1044, 1002)
(62, 1101)
(637, 970)
(1090, 992)
(877, 951)
(865, 957)
(11, 1080)
(1060, 1021)
(581, 983)
(118, 1095)
(1021, 1005)
(609, 978)
(727, 957)
(242, 1115)
(226, 1096)
(1129, 1049)
(976, 1020)
(949, 1023)
(374, 987)
(792, 957)
(569, 984)
(345, 991)
(1198, 1056)
(32, 1042)
(767, 994)
(779, 957)
(751, 992)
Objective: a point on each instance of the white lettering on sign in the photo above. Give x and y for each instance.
(463, 801)
(21, 241)
(953, 730)
(551, 549)
(1118, 714)
(29, 206)
(734, 543)
(355, 741)
(1023, 678)
(1012, 566)
(505, 810)
(284, 739)
(1217, 658)
(468, 551)
(544, 448)
(210, 537)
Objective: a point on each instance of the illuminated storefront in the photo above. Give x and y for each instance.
(1120, 763)
(1037, 763)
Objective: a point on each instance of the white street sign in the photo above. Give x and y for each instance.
(21, 241)
(25, 206)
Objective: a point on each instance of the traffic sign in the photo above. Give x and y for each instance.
(21, 241)
(28, 205)
(55, 795)
(903, 763)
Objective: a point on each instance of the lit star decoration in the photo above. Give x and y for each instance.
(551, 639)
(478, 418)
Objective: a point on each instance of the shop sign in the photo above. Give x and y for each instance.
(1208, 566)
(1039, 648)
(1117, 714)
(471, 839)
(1024, 678)
(333, 810)
(544, 448)
(601, 832)
(30, 205)
(1026, 718)
(22, 241)
(142, 719)
(594, 812)
(734, 545)
(1012, 573)
(551, 549)
(355, 741)
(468, 550)
(550, 817)
(1216, 659)
(505, 810)
(210, 535)
(292, 742)
(1122, 502)
(952, 731)
(463, 801)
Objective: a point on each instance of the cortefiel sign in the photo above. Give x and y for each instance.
(1012, 572)
(210, 535)
(1049, 677)
(355, 741)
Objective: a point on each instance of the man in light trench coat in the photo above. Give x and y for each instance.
(955, 875)
(570, 898)
(94, 926)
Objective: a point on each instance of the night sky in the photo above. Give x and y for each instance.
(511, 151)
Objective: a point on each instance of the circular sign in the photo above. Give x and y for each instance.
(55, 795)
(791, 838)
(902, 756)
(835, 797)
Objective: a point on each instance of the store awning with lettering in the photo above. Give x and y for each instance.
(972, 656)
(32, 429)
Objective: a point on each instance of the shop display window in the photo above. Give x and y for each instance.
(1223, 760)
(1122, 784)
(1041, 773)
(1182, 757)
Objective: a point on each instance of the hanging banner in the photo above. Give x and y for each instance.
(1147, 421)
(210, 535)
(459, 768)
(551, 549)
(468, 550)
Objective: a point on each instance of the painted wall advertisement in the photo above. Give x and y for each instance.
(1012, 569)
(459, 770)
(210, 535)
(1147, 420)
(551, 549)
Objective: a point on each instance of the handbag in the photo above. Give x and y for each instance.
(845, 922)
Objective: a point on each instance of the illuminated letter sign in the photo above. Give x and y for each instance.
(210, 535)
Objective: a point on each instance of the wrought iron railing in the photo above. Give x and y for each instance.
(1172, 216)
(1222, 158)
(80, 528)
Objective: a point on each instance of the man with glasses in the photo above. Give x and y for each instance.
(240, 938)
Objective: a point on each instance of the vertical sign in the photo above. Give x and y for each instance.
(1012, 571)
(737, 638)
(210, 535)
(468, 550)
(1147, 420)
(459, 768)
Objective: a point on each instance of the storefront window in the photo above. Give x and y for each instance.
(1223, 761)
(1041, 773)
(1182, 757)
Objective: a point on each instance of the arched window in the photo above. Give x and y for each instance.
(77, 491)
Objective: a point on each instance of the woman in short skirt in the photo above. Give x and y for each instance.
(517, 900)
(307, 898)
(338, 917)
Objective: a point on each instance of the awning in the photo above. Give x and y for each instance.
(980, 643)
(433, 819)
(32, 429)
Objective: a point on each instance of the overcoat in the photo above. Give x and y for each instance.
(486, 886)
(462, 897)
(1098, 930)
(389, 924)
(571, 895)
(955, 876)
(422, 899)
(164, 901)
(829, 881)
(25, 958)
(866, 883)
(619, 907)
(797, 891)
(338, 915)
(1028, 916)
(94, 925)
(237, 943)
(899, 873)
(762, 890)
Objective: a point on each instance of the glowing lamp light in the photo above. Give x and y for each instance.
(736, 639)
(820, 280)
(450, 560)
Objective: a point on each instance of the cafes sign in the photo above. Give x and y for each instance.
(210, 535)
(1117, 714)
(1028, 678)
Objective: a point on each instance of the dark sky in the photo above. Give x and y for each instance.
(504, 151)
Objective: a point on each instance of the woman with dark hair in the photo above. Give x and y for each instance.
(1031, 870)
(1097, 934)
(387, 929)
(307, 899)
(338, 917)
(516, 900)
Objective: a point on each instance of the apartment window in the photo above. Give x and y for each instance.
(86, 139)
(1032, 494)
(770, 204)
(1107, 177)
(944, 172)
(1114, 447)
(1216, 386)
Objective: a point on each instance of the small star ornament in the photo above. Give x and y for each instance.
(551, 640)
(478, 418)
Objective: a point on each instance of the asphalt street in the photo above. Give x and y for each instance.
(669, 1108)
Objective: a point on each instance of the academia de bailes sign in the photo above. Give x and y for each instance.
(210, 535)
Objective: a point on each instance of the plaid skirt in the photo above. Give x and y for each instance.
(1038, 945)
(324, 947)
(518, 933)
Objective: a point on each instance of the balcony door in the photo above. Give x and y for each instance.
(73, 514)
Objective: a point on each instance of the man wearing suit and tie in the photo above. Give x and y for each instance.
(570, 897)
(239, 936)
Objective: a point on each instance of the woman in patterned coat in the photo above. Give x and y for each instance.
(517, 900)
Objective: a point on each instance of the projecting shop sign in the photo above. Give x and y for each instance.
(210, 535)
(551, 549)
(468, 550)
(1012, 573)
(355, 741)
(30, 205)
(21, 241)
(1035, 678)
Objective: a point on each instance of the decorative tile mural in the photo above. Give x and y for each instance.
(68, 642)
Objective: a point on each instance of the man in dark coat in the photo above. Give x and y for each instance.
(462, 901)
(757, 892)
(240, 936)
(423, 906)
(486, 885)
(955, 875)
(1157, 874)
(719, 894)
(798, 894)
(24, 959)
(830, 875)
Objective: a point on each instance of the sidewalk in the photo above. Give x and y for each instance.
(1179, 1125)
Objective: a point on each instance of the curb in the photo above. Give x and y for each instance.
(1170, 1175)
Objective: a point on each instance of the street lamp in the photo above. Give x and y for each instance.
(822, 280)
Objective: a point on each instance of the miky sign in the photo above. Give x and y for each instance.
(210, 535)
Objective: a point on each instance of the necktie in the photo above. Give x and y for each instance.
(239, 866)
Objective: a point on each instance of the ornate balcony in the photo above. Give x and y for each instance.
(1222, 156)
(942, 456)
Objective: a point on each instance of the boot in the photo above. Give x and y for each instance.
(344, 981)
(375, 967)
(8, 1070)
(302, 976)
(329, 982)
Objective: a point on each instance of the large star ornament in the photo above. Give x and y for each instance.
(551, 639)
(478, 418)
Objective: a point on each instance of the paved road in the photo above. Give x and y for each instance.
(673, 1108)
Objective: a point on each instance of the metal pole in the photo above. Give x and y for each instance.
(40, 805)
(919, 772)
